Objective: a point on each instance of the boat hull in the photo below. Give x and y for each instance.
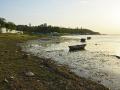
(77, 47)
(83, 40)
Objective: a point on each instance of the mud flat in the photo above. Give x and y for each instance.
(22, 71)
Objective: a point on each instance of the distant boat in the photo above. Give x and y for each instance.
(117, 56)
(88, 38)
(83, 40)
(77, 47)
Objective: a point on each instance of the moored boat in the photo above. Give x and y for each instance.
(77, 47)
(88, 38)
(82, 40)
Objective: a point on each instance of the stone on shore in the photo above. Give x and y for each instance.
(29, 74)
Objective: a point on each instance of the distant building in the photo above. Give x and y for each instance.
(4, 30)
(30, 25)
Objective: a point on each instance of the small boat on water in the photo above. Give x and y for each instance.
(77, 47)
(82, 40)
(88, 38)
(117, 56)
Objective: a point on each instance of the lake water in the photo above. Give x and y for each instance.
(97, 62)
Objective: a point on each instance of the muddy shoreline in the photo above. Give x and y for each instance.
(47, 74)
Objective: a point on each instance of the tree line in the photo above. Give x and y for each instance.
(7, 25)
(44, 28)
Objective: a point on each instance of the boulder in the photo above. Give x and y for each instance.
(5, 80)
(29, 74)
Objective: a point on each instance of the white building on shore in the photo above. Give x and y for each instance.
(4, 30)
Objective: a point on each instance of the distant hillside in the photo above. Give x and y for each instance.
(46, 29)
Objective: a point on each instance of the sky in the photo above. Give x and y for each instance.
(98, 15)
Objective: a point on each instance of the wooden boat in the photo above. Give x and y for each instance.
(83, 40)
(77, 47)
(117, 56)
(88, 38)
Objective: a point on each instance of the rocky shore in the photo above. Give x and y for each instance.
(22, 71)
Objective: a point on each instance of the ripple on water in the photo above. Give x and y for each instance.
(96, 62)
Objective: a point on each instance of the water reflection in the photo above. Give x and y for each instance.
(97, 62)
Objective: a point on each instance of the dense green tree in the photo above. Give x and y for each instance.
(10, 25)
(2, 22)
(47, 29)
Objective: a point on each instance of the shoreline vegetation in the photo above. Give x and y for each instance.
(42, 74)
(45, 29)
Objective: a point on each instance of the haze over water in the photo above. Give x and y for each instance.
(97, 62)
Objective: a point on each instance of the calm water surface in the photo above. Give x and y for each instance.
(97, 62)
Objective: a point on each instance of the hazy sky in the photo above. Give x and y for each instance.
(99, 15)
